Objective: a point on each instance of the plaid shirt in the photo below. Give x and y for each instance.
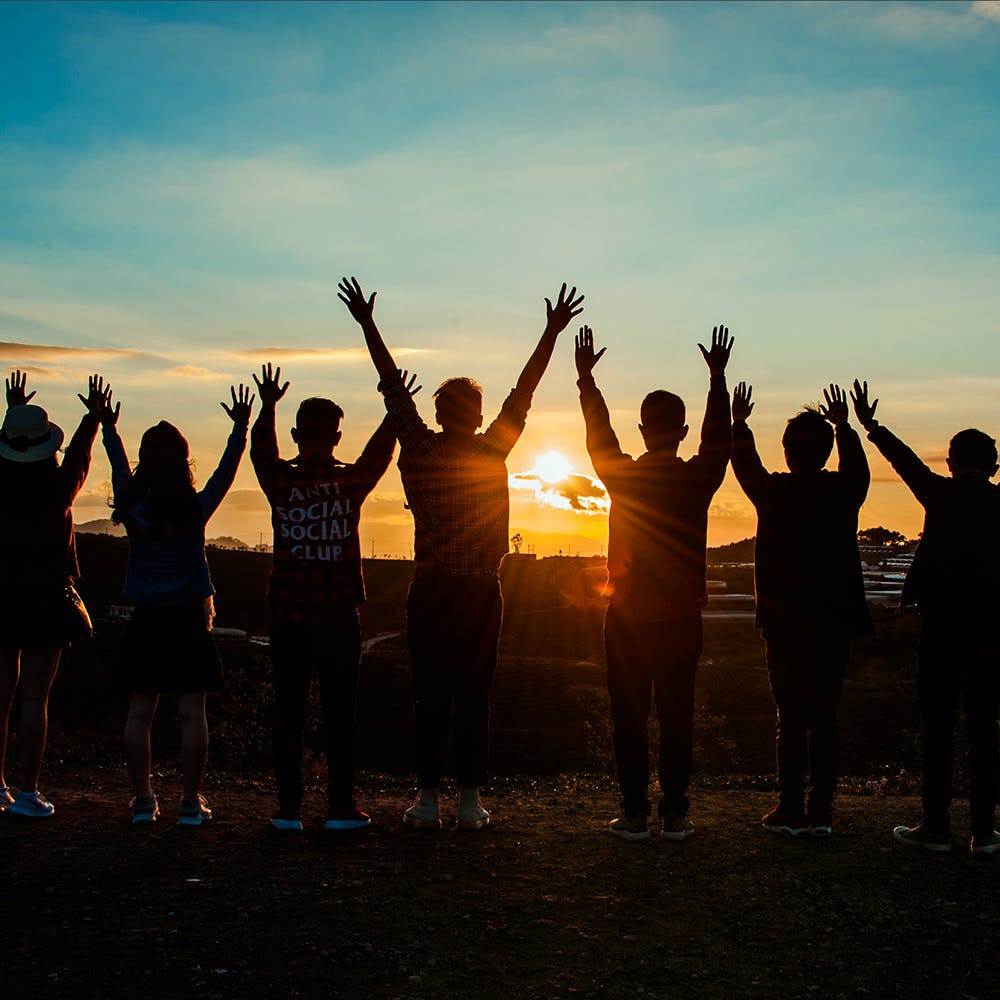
(315, 510)
(457, 492)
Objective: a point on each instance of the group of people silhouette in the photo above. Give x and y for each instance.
(808, 579)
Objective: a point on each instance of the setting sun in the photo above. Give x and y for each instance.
(551, 467)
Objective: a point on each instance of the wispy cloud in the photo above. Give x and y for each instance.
(322, 355)
(57, 352)
(574, 492)
(935, 24)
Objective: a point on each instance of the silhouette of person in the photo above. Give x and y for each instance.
(315, 589)
(954, 583)
(810, 593)
(656, 587)
(36, 497)
(168, 646)
(455, 482)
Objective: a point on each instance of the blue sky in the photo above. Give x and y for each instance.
(182, 184)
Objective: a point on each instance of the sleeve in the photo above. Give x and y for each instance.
(503, 433)
(852, 464)
(374, 460)
(917, 476)
(749, 469)
(218, 484)
(121, 471)
(409, 428)
(602, 443)
(716, 445)
(76, 459)
(264, 452)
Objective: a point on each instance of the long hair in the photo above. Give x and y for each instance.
(162, 483)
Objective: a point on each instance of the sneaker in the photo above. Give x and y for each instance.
(280, 822)
(630, 827)
(780, 821)
(820, 824)
(472, 816)
(6, 798)
(32, 804)
(144, 811)
(676, 828)
(193, 813)
(425, 814)
(917, 836)
(348, 819)
(987, 844)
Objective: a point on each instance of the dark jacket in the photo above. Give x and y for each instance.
(807, 568)
(658, 522)
(955, 566)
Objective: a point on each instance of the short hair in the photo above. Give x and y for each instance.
(808, 440)
(972, 449)
(318, 418)
(662, 411)
(459, 400)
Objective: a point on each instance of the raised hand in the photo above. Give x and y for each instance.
(566, 307)
(836, 405)
(864, 410)
(16, 386)
(362, 309)
(718, 356)
(239, 412)
(109, 414)
(98, 398)
(586, 359)
(267, 385)
(403, 376)
(742, 406)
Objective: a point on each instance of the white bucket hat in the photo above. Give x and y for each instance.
(28, 436)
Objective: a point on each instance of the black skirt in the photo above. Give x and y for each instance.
(169, 650)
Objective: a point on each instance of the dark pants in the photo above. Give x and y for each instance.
(453, 629)
(333, 651)
(652, 661)
(806, 670)
(954, 667)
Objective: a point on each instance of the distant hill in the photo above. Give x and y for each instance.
(102, 526)
(734, 552)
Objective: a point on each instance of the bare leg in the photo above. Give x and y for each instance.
(38, 671)
(194, 741)
(9, 670)
(141, 709)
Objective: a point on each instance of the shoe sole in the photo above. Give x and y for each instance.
(347, 824)
(675, 835)
(987, 849)
(422, 824)
(29, 815)
(143, 820)
(192, 821)
(286, 825)
(786, 831)
(925, 846)
(630, 836)
(470, 826)
(821, 832)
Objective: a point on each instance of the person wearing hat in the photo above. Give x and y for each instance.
(36, 495)
(169, 647)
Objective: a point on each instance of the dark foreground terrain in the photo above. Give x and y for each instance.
(542, 904)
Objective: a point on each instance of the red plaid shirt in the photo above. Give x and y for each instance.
(457, 492)
(315, 509)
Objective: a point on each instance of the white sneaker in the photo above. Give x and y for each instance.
(32, 804)
(193, 813)
(471, 814)
(425, 813)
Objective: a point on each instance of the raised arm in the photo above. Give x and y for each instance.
(852, 464)
(374, 460)
(918, 476)
(558, 317)
(363, 310)
(602, 443)
(76, 459)
(716, 429)
(749, 469)
(264, 452)
(219, 482)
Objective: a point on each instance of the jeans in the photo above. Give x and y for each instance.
(806, 671)
(650, 661)
(453, 628)
(956, 663)
(333, 651)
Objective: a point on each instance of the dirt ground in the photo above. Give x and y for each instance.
(543, 904)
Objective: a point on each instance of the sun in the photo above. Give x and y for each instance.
(551, 468)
